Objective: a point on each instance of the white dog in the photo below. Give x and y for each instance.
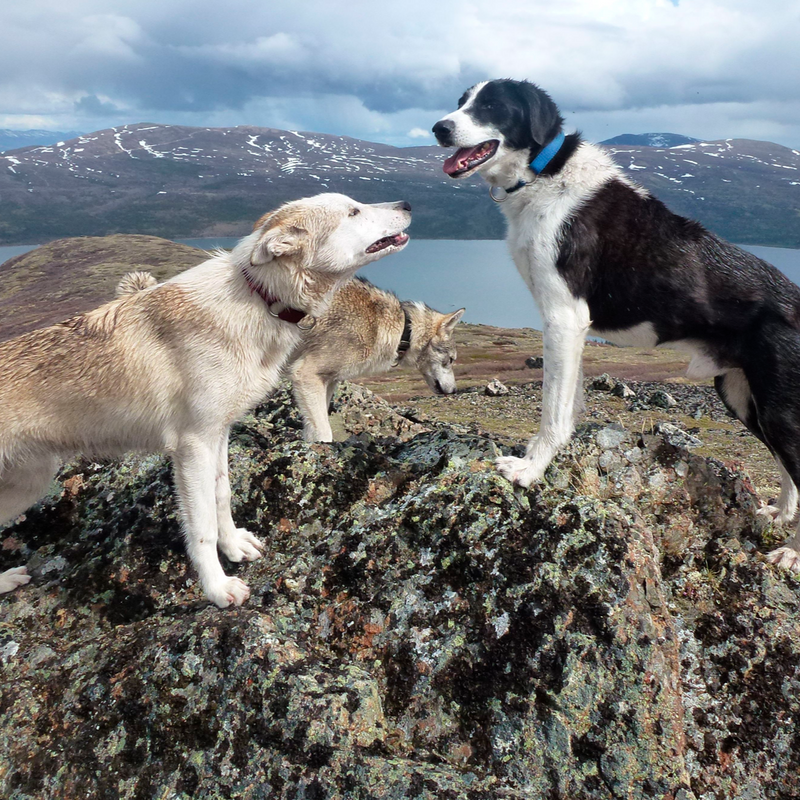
(169, 368)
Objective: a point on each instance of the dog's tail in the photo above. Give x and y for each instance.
(133, 282)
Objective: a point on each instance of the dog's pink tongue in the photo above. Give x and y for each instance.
(456, 161)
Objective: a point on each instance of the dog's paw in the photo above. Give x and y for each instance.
(778, 515)
(786, 558)
(520, 471)
(229, 591)
(12, 578)
(241, 545)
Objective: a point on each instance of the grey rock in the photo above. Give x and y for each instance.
(603, 383)
(534, 362)
(611, 437)
(623, 390)
(662, 399)
(495, 389)
(676, 436)
(417, 629)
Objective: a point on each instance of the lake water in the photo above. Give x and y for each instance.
(477, 275)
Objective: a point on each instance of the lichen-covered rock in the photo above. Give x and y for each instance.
(495, 388)
(603, 383)
(662, 399)
(623, 390)
(417, 628)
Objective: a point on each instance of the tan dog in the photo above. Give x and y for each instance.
(170, 367)
(366, 331)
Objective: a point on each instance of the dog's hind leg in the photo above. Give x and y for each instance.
(785, 510)
(564, 339)
(238, 544)
(776, 400)
(734, 391)
(196, 462)
(330, 391)
(311, 395)
(579, 403)
(21, 485)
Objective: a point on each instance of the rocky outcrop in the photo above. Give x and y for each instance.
(417, 628)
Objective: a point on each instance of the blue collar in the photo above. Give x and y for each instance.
(538, 164)
(548, 152)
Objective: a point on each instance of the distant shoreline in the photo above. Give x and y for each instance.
(182, 239)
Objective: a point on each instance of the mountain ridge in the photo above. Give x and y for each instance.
(13, 139)
(181, 182)
(650, 139)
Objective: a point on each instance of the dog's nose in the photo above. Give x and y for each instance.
(404, 205)
(442, 130)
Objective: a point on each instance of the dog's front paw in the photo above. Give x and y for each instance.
(230, 591)
(12, 578)
(241, 545)
(520, 471)
(786, 558)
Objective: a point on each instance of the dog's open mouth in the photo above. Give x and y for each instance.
(467, 158)
(397, 240)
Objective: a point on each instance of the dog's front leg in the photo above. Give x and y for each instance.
(196, 464)
(311, 397)
(564, 338)
(238, 544)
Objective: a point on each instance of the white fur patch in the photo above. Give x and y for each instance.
(641, 335)
(702, 365)
(737, 392)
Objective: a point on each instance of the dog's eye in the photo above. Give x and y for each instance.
(354, 212)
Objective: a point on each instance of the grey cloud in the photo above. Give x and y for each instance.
(91, 105)
(182, 58)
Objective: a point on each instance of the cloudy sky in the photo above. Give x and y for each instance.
(386, 71)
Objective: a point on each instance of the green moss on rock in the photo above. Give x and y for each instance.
(417, 628)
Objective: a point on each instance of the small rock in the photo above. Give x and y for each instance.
(675, 436)
(495, 388)
(609, 461)
(56, 564)
(611, 437)
(8, 651)
(534, 362)
(661, 399)
(634, 455)
(604, 383)
(623, 390)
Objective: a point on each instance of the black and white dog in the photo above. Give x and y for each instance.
(601, 255)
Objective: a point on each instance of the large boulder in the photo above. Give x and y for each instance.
(417, 628)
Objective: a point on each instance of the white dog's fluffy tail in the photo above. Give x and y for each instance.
(133, 282)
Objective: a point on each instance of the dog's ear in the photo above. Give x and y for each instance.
(277, 241)
(448, 324)
(543, 118)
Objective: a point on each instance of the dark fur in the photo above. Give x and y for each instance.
(633, 261)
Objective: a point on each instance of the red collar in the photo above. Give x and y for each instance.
(287, 313)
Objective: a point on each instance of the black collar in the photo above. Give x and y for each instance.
(405, 338)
